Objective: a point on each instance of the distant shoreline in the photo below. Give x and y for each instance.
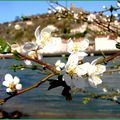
(62, 54)
(90, 53)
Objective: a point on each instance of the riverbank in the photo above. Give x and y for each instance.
(63, 54)
(90, 53)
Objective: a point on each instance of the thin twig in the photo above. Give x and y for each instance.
(49, 67)
(107, 59)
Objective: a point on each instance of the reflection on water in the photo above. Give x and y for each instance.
(41, 103)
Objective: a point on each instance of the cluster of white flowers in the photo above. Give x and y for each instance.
(76, 72)
(44, 42)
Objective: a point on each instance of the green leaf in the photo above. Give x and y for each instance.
(86, 100)
(16, 67)
(4, 47)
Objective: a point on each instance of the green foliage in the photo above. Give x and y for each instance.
(4, 47)
(24, 18)
(86, 100)
(16, 55)
(15, 67)
(34, 67)
(76, 35)
(66, 30)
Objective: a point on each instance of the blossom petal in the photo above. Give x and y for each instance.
(67, 79)
(8, 90)
(37, 33)
(73, 59)
(8, 78)
(62, 65)
(58, 68)
(91, 69)
(28, 62)
(16, 80)
(19, 86)
(81, 55)
(49, 29)
(100, 69)
(94, 81)
(46, 33)
(95, 61)
(5, 83)
(82, 69)
(57, 63)
(28, 46)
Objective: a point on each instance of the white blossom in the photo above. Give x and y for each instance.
(59, 65)
(74, 72)
(28, 62)
(73, 47)
(76, 48)
(72, 78)
(105, 90)
(44, 43)
(94, 72)
(52, 46)
(32, 50)
(12, 83)
(44, 37)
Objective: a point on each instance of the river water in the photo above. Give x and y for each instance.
(41, 103)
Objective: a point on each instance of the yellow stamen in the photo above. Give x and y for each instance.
(12, 86)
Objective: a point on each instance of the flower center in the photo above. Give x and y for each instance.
(71, 72)
(45, 38)
(76, 47)
(12, 86)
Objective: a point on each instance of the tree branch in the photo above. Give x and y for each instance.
(49, 67)
(27, 89)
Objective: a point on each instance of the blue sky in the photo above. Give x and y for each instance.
(10, 9)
